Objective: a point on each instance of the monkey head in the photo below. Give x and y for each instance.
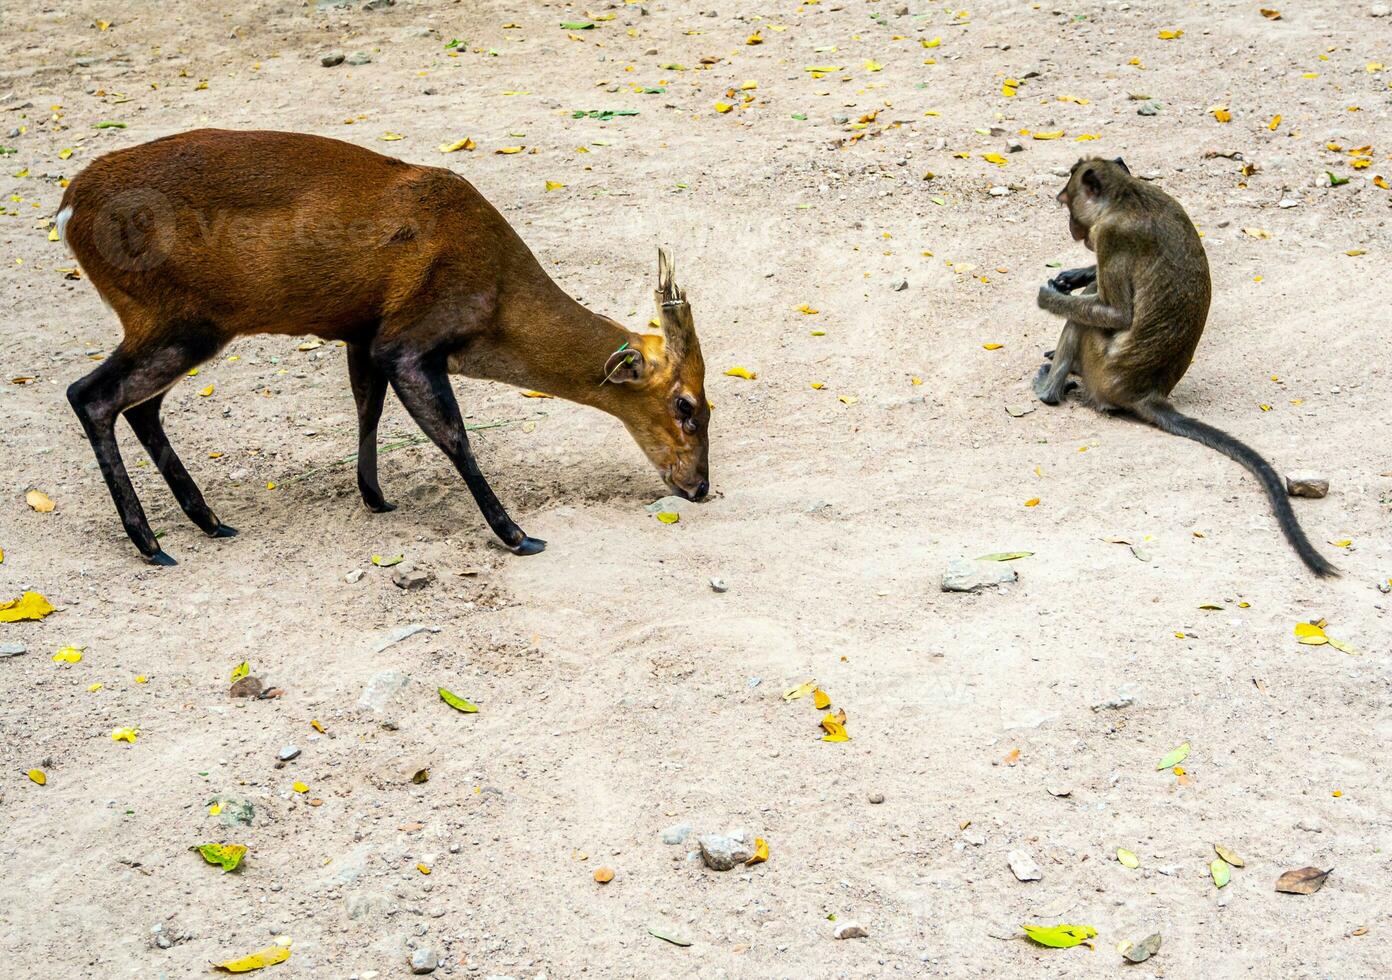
(1090, 183)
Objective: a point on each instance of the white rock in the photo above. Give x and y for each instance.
(1024, 866)
(999, 191)
(354, 576)
(723, 852)
(424, 960)
(965, 575)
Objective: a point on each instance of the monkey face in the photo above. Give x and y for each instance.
(1083, 194)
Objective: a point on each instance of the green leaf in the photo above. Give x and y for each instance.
(1335, 180)
(1005, 555)
(456, 702)
(1174, 758)
(1059, 936)
(240, 671)
(226, 856)
(1128, 858)
(381, 562)
(109, 125)
(662, 932)
(800, 116)
(603, 115)
(1221, 871)
(577, 25)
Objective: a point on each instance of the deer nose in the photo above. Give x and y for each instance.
(702, 489)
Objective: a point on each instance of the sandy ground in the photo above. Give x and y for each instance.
(619, 694)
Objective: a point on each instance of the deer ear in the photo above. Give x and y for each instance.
(625, 366)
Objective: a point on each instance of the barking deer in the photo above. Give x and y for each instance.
(204, 236)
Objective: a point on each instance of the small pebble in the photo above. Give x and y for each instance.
(424, 960)
(850, 930)
(332, 58)
(876, 797)
(718, 585)
(1306, 485)
(288, 752)
(899, 285)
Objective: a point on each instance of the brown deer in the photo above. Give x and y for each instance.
(204, 236)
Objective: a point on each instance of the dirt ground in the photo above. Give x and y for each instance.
(619, 694)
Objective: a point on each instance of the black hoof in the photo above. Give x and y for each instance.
(1048, 355)
(161, 559)
(380, 507)
(223, 531)
(529, 546)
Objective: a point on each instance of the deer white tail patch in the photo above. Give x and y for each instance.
(64, 216)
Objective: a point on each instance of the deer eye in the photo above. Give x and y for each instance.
(686, 408)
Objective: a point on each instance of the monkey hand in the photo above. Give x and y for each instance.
(1072, 279)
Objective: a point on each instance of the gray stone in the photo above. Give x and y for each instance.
(1013, 145)
(722, 852)
(1151, 108)
(671, 504)
(359, 58)
(899, 285)
(235, 811)
(716, 584)
(400, 633)
(1306, 485)
(1023, 866)
(424, 960)
(378, 4)
(288, 752)
(380, 690)
(332, 59)
(407, 576)
(876, 797)
(965, 575)
(850, 930)
(676, 833)
(354, 576)
(12, 649)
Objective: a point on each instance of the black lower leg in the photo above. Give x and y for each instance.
(422, 384)
(369, 391)
(144, 419)
(95, 399)
(1052, 381)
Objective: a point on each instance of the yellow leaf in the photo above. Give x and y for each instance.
(261, 958)
(933, 43)
(553, 185)
(835, 730)
(240, 671)
(536, 394)
(723, 107)
(1256, 233)
(299, 787)
(739, 372)
(68, 655)
(992, 346)
(270, 485)
(214, 809)
(465, 144)
(1170, 35)
(818, 385)
(668, 516)
(873, 66)
(1052, 135)
(141, 679)
(755, 38)
(801, 691)
(1128, 858)
(509, 150)
(995, 158)
(1061, 936)
(760, 852)
(807, 308)
(124, 734)
(64, 153)
(1032, 502)
(205, 392)
(1275, 121)
(391, 137)
(456, 702)
(423, 868)
(94, 688)
(1085, 137)
(1310, 634)
(1222, 115)
(847, 399)
(225, 856)
(317, 725)
(821, 700)
(38, 776)
(1342, 542)
(39, 501)
(1008, 89)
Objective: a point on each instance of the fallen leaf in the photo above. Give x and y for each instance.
(457, 703)
(423, 868)
(1061, 936)
(509, 150)
(1302, 881)
(760, 852)
(465, 144)
(38, 776)
(1174, 758)
(1141, 951)
(1053, 135)
(1012, 757)
(391, 137)
(604, 875)
(801, 691)
(668, 516)
(553, 185)
(667, 935)
(1128, 858)
(240, 671)
(1310, 634)
(992, 346)
(821, 700)
(68, 655)
(255, 961)
(1229, 855)
(299, 787)
(1032, 502)
(124, 734)
(420, 776)
(226, 856)
(835, 729)
(739, 372)
(317, 725)
(535, 394)
(39, 501)
(381, 562)
(1005, 555)
(1170, 35)
(1221, 872)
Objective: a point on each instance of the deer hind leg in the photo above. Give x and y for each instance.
(422, 383)
(144, 419)
(134, 374)
(369, 391)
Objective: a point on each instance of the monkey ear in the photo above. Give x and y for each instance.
(1122, 164)
(625, 365)
(1091, 182)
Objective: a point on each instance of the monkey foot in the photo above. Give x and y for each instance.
(529, 546)
(1046, 392)
(161, 559)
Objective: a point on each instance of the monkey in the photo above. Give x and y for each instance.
(1131, 332)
